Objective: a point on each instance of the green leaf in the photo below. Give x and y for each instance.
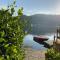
(2, 34)
(2, 39)
(20, 11)
(6, 45)
(15, 50)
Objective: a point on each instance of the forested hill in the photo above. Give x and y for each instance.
(42, 23)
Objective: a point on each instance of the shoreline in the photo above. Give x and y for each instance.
(31, 54)
(35, 54)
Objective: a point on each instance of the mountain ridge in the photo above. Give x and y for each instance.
(42, 23)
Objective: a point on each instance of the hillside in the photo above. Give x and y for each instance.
(41, 23)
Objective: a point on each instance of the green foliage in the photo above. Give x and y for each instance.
(11, 34)
(52, 54)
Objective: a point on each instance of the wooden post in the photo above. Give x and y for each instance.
(57, 32)
(54, 37)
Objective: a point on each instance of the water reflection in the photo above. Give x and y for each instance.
(29, 42)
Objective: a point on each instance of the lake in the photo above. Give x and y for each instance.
(29, 42)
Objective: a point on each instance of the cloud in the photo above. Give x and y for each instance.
(56, 9)
(53, 9)
(36, 11)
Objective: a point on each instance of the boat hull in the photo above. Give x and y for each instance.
(40, 39)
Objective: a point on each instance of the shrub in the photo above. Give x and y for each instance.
(11, 34)
(52, 54)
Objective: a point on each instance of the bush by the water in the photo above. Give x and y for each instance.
(11, 34)
(52, 54)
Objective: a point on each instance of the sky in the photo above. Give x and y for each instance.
(31, 7)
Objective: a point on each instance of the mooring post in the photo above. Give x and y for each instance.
(54, 37)
(57, 32)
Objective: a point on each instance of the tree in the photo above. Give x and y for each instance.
(11, 34)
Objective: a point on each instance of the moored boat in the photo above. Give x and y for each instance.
(40, 38)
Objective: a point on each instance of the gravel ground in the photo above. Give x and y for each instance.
(34, 54)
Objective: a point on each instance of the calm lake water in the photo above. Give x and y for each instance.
(29, 42)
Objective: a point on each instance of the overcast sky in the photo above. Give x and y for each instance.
(35, 6)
